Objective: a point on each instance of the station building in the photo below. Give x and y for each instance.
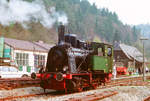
(25, 55)
(128, 56)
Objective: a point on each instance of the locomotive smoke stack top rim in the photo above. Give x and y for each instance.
(70, 34)
(61, 32)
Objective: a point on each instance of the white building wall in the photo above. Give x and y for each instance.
(31, 58)
(12, 56)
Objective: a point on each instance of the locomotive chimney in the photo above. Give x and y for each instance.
(61, 32)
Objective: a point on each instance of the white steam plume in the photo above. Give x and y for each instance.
(19, 11)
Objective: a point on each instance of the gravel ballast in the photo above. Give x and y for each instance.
(125, 93)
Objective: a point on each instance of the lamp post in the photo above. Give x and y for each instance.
(143, 39)
(134, 58)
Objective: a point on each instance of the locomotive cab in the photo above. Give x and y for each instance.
(102, 57)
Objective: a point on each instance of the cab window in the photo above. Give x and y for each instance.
(100, 52)
(109, 51)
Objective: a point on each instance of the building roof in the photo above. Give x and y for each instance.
(24, 45)
(44, 45)
(131, 52)
(117, 45)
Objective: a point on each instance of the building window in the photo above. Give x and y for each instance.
(22, 59)
(39, 60)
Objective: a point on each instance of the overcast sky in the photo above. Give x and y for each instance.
(131, 12)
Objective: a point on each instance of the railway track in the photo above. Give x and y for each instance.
(95, 97)
(147, 98)
(18, 97)
(12, 83)
(134, 81)
(87, 97)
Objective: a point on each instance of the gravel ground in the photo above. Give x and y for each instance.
(125, 93)
(130, 93)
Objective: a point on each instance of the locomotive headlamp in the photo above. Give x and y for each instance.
(59, 76)
(65, 68)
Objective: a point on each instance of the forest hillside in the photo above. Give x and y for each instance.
(40, 19)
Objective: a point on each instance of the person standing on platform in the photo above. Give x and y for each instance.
(114, 71)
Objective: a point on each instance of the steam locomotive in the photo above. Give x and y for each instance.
(73, 65)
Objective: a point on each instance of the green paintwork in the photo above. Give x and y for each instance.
(7, 53)
(100, 63)
(28, 68)
(1, 46)
(110, 63)
(20, 68)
